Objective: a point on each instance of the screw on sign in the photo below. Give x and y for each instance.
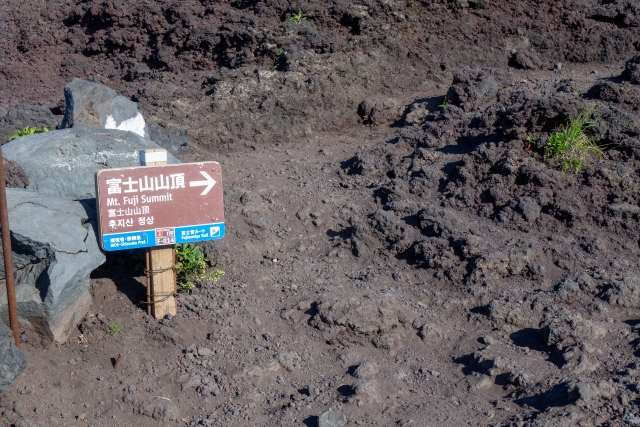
(160, 205)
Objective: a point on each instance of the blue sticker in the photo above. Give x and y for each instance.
(162, 236)
(197, 233)
(133, 240)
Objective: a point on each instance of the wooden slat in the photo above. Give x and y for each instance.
(163, 284)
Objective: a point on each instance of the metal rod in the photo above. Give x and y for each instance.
(148, 272)
(8, 261)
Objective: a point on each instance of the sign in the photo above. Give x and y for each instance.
(159, 205)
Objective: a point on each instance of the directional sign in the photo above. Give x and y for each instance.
(160, 205)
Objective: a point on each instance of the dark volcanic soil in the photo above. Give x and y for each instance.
(399, 249)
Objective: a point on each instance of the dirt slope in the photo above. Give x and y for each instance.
(399, 247)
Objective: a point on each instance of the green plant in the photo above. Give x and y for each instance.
(571, 145)
(296, 17)
(530, 141)
(217, 275)
(444, 104)
(191, 266)
(114, 328)
(28, 131)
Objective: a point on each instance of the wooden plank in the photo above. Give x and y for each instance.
(161, 262)
(163, 283)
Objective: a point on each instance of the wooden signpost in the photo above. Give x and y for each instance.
(161, 276)
(156, 206)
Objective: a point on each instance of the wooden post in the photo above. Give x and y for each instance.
(161, 259)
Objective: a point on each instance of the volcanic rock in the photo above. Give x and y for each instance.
(63, 163)
(54, 249)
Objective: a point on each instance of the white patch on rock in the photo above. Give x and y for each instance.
(135, 124)
(102, 157)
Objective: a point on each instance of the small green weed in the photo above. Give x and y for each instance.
(571, 145)
(114, 328)
(530, 141)
(28, 131)
(296, 17)
(187, 286)
(444, 104)
(191, 266)
(217, 275)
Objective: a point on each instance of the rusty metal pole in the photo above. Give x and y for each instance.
(8, 261)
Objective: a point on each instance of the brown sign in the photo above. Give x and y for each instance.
(160, 205)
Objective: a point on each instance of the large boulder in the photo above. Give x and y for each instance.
(94, 105)
(63, 163)
(12, 361)
(472, 87)
(23, 116)
(54, 249)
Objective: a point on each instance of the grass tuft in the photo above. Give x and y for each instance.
(572, 145)
(296, 17)
(114, 328)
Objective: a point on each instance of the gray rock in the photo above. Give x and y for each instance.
(587, 392)
(526, 59)
(384, 341)
(488, 339)
(63, 163)
(168, 334)
(416, 113)
(631, 419)
(288, 360)
(472, 87)
(632, 70)
(379, 110)
(158, 411)
(435, 221)
(369, 317)
(204, 352)
(568, 329)
(366, 370)
(23, 116)
(93, 105)
(331, 419)
(519, 379)
(365, 391)
(54, 250)
(529, 208)
(174, 143)
(624, 292)
(12, 361)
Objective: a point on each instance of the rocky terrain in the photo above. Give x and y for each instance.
(399, 251)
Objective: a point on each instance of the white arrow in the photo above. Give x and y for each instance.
(209, 183)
